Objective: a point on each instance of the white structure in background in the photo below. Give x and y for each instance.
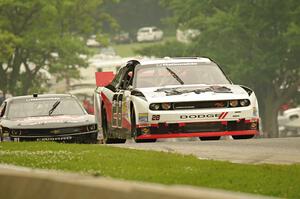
(289, 122)
(84, 87)
(186, 36)
(149, 34)
(91, 42)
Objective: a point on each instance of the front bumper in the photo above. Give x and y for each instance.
(58, 137)
(198, 129)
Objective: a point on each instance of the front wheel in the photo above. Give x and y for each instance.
(238, 137)
(209, 138)
(144, 140)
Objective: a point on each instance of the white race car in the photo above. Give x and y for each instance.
(173, 98)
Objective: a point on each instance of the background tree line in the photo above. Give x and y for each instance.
(37, 35)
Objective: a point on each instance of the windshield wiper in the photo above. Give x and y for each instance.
(54, 107)
(175, 76)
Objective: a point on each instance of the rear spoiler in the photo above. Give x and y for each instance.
(104, 78)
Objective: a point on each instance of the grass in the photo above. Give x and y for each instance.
(159, 167)
(128, 50)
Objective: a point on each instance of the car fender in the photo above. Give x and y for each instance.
(140, 106)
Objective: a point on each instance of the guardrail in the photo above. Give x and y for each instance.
(25, 183)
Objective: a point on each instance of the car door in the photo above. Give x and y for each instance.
(121, 106)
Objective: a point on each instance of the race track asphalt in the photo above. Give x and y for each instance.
(251, 151)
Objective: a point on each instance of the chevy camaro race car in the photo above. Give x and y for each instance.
(172, 98)
(55, 117)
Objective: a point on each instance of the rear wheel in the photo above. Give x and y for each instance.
(134, 130)
(106, 131)
(210, 138)
(238, 137)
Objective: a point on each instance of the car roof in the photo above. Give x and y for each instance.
(39, 96)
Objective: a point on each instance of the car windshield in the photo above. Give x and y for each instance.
(35, 107)
(178, 74)
(144, 30)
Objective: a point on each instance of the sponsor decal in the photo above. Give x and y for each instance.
(42, 99)
(202, 116)
(55, 131)
(54, 139)
(143, 117)
(178, 64)
(255, 112)
(223, 115)
(196, 90)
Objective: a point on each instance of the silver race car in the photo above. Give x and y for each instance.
(55, 117)
(173, 98)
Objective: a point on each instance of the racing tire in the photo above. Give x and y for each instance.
(144, 140)
(239, 137)
(209, 138)
(106, 129)
(134, 131)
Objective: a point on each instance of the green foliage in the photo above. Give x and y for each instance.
(273, 180)
(50, 35)
(168, 49)
(8, 42)
(257, 42)
(134, 14)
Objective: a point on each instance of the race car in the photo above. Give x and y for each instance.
(52, 117)
(173, 98)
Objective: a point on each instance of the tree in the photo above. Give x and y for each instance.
(134, 14)
(257, 42)
(38, 34)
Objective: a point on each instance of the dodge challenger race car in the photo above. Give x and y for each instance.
(55, 117)
(172, 98)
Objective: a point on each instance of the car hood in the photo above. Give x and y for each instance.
(45, 122)
(193, 93)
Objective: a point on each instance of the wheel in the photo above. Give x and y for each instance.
(237, 137)
(106, 132)
(210, 138)
(134, 130)
(144, 140)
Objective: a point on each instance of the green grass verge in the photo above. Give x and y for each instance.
(159, 167)
(128, 50)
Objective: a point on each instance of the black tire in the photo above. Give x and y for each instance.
(239, 137)
(134, 131)
(106, 131)
(209, 138)
(144, 140)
